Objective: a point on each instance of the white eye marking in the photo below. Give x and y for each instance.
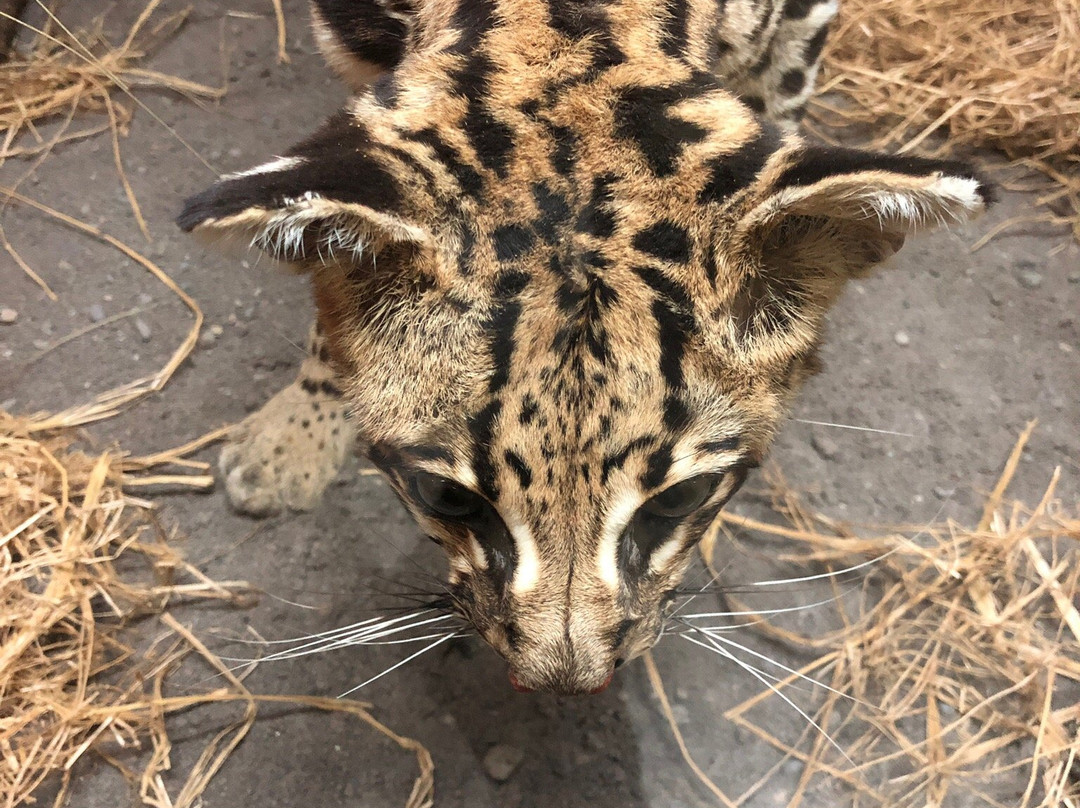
(527, 574)
(277, 164)
(479, 559)
(608, 551)
(666, 551)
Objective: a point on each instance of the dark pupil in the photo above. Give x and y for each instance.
(446, 497)
(683, 498)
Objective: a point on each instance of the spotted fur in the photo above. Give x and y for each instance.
(561, 260)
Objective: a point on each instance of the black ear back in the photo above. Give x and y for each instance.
(329, 194)
(814, 164)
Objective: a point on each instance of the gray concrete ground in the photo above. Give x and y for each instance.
(958, 349)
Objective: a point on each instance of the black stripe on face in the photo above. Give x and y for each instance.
(511, 242)
(673, 34)
(664, 240)
(467, 177)
(675, 323)
(482, 429)
(719, 446)
(501, 324)
(617, 460)
(733, 172)
(642, 115)
(597, 217)
(518, 465)
(656, 467)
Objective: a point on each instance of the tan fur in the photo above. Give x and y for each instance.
(409, 326)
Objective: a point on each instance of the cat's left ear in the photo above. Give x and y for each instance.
(821, 216)
(856, 207)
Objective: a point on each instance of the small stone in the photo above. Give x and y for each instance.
(1074, 277)
(145, 299)
(1030, 279)
(41, 344)
(143, 329)
(207, 339)
(64, 266)
(825, 447)
(941, 492)
(8, 316)
(501, 761)
(902, 339)
(97, 313)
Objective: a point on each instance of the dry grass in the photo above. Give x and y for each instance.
(998, 74)
(85, 570)
(956, 675)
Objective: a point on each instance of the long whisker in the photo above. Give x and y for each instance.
(856, 428)
(763, 678)
(755, 612)
(321, 634)
(832, 574)
(397, 665)
(783, 667)
(362, 637)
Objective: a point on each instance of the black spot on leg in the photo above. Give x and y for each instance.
(564, 158)
(793, 82)
(799, 9)
(554, 212)
(755, 102)
(308, 386)
(814, 46)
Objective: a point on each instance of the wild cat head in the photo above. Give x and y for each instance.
(570, 285)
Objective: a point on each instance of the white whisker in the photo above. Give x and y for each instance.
(753, 612)
(365, 636)
(832, 574)
(783, 667)
(763, 678)
(397, 665)
(856, 428)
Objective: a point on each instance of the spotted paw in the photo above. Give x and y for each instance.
(284, 455)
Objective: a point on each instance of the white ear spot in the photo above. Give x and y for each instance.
(275, 165)
(941, 201)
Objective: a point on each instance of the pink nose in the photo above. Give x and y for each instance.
(520, 688)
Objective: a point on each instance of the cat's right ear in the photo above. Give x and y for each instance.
(327, 200)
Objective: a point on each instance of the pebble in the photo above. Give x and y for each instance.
(64, 266)
(41, 344)
(1030, 279)
(502, 761)
(97, 313)
(8, 316)
(902, 339)
(941, 492)
(1074, 277)
(825, 447)
(143, 329)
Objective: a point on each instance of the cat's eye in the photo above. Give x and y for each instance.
(682, 499)
(445, 497)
